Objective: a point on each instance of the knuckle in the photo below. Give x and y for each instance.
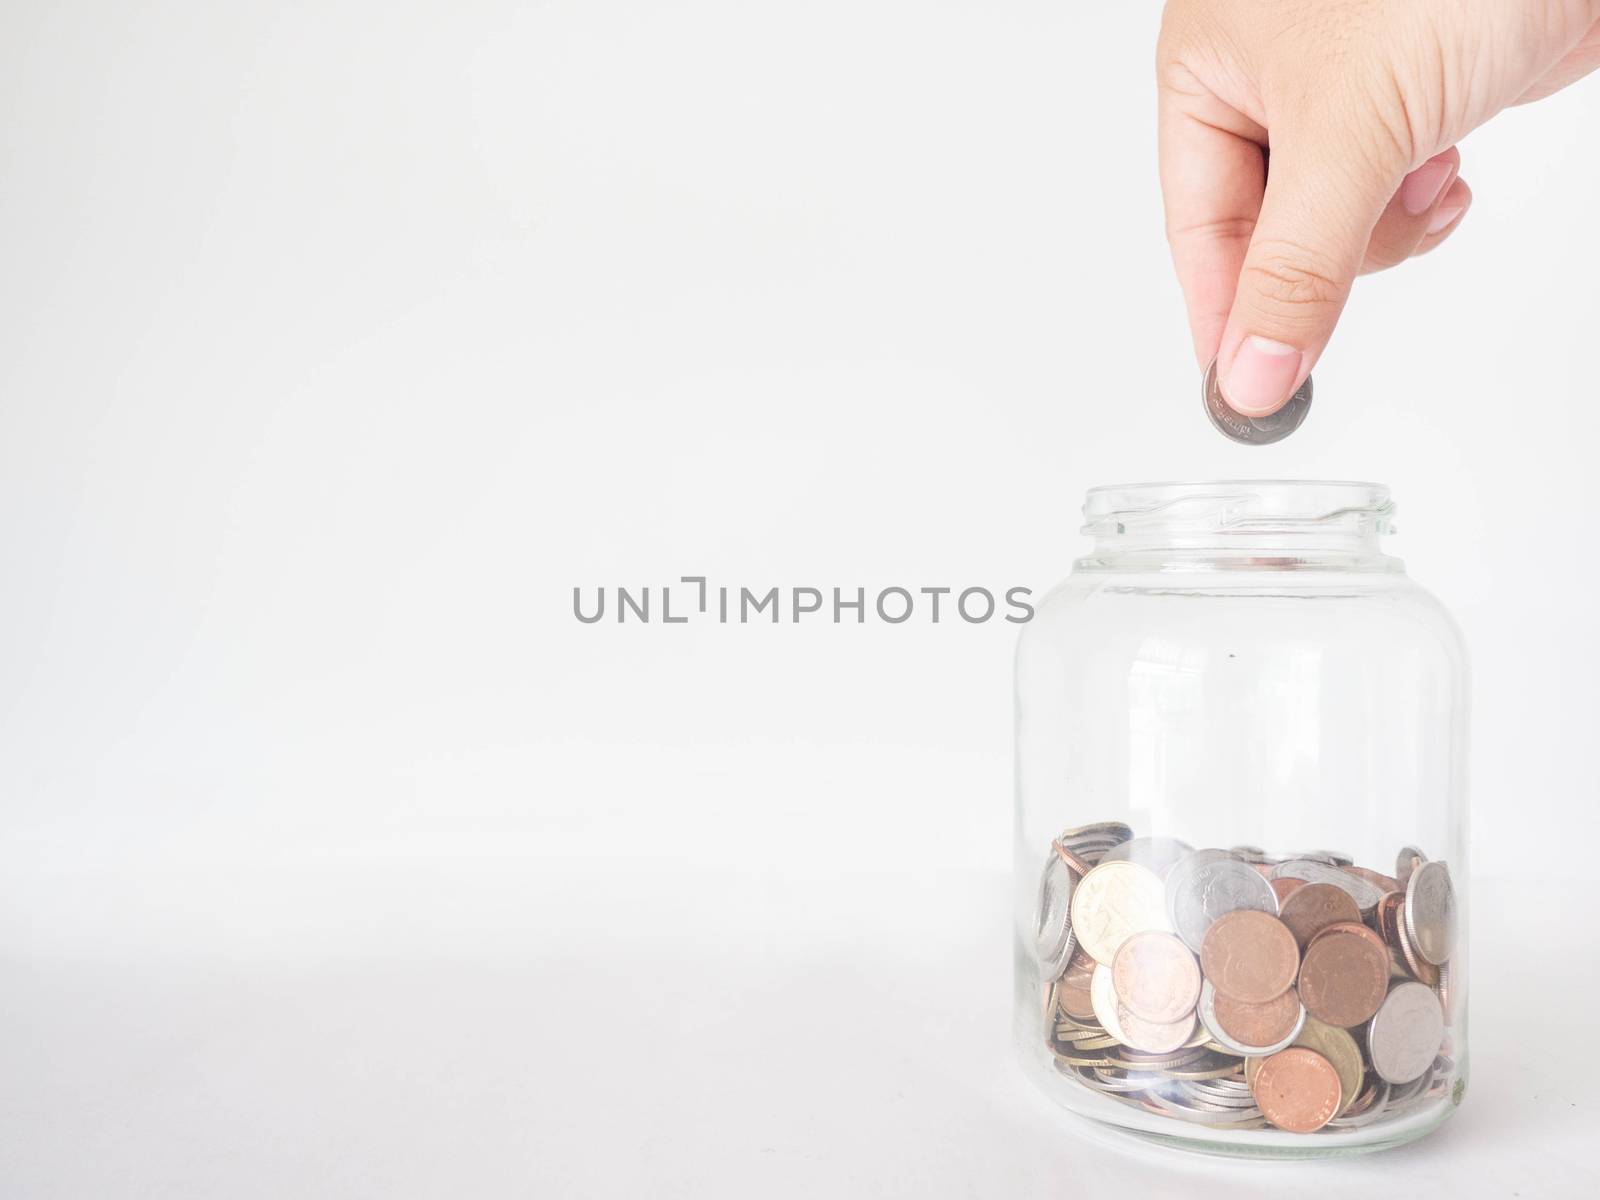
(1222, 229)
(1290, 279)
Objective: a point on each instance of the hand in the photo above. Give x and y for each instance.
(1361, 103)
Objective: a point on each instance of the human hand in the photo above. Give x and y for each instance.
(1361, 102)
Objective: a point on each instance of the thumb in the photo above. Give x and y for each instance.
(1316, 218)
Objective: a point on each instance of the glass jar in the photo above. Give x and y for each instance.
(1241, 772)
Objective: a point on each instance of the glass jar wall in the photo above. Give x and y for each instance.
(1241, 826)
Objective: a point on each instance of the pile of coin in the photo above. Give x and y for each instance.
(1238, 989)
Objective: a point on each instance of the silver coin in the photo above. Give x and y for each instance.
(1404, 1037)
(1203, 1108)
(1231, 1118)
(1160, 854)
(1206, 1010)
(1250, 854)
(1406, 861)
(1233, 1093)
(1334, 858)
(1228, 1085)
(1109, 832)
(1326, 857)
(1405, 1095)
(1053, 940)
(1208, 883)
(1368, 1115)
(1430, 911)
(1253, 431)
(1105, 1081)
(1365, 893)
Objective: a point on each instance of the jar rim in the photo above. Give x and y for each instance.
(1243, 506)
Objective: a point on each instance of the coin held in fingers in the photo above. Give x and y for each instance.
(1253, 431)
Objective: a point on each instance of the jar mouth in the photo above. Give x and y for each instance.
(1239, 506)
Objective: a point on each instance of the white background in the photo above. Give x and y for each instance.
(340, 341)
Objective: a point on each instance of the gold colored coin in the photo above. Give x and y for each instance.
(1077, 1060)
(1104, 994)
(1231, 1070)
(1112, 903)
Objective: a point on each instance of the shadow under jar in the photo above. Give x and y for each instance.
(1241, 826)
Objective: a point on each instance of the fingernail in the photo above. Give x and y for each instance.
(1261, 376)
(1442, 218)
(1425, 185)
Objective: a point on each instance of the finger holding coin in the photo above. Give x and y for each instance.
(1252, 431)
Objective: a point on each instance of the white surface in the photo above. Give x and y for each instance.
(771, 1033)
(341, 341)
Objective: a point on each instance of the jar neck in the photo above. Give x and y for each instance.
(1240, 526)
(1238, 558)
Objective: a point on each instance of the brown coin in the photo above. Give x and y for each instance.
(1153, 1037)
(1384, 883)
(1249, 956)
(1345, 976)
(1156, 977)
(1073, 999)
(1072, 860)
(1387, 914)
(1297, 1090)
(1357, 928)
(1314, 907)
(1072, 989)
(1263, 1025)
(1367, 1098)
(1284, 887)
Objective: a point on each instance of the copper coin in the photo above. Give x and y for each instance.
(1345, 976)
(1072, 989)
(1384, 883)
(1387, 914)
(1072, 860)
(1072, 997)
(1156, 977)
(1284, 887)
(1259, 1024)
(1357, 928)
(1314, 907)
(1250, 956)
(1298, 1090)
(1153, 1037)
